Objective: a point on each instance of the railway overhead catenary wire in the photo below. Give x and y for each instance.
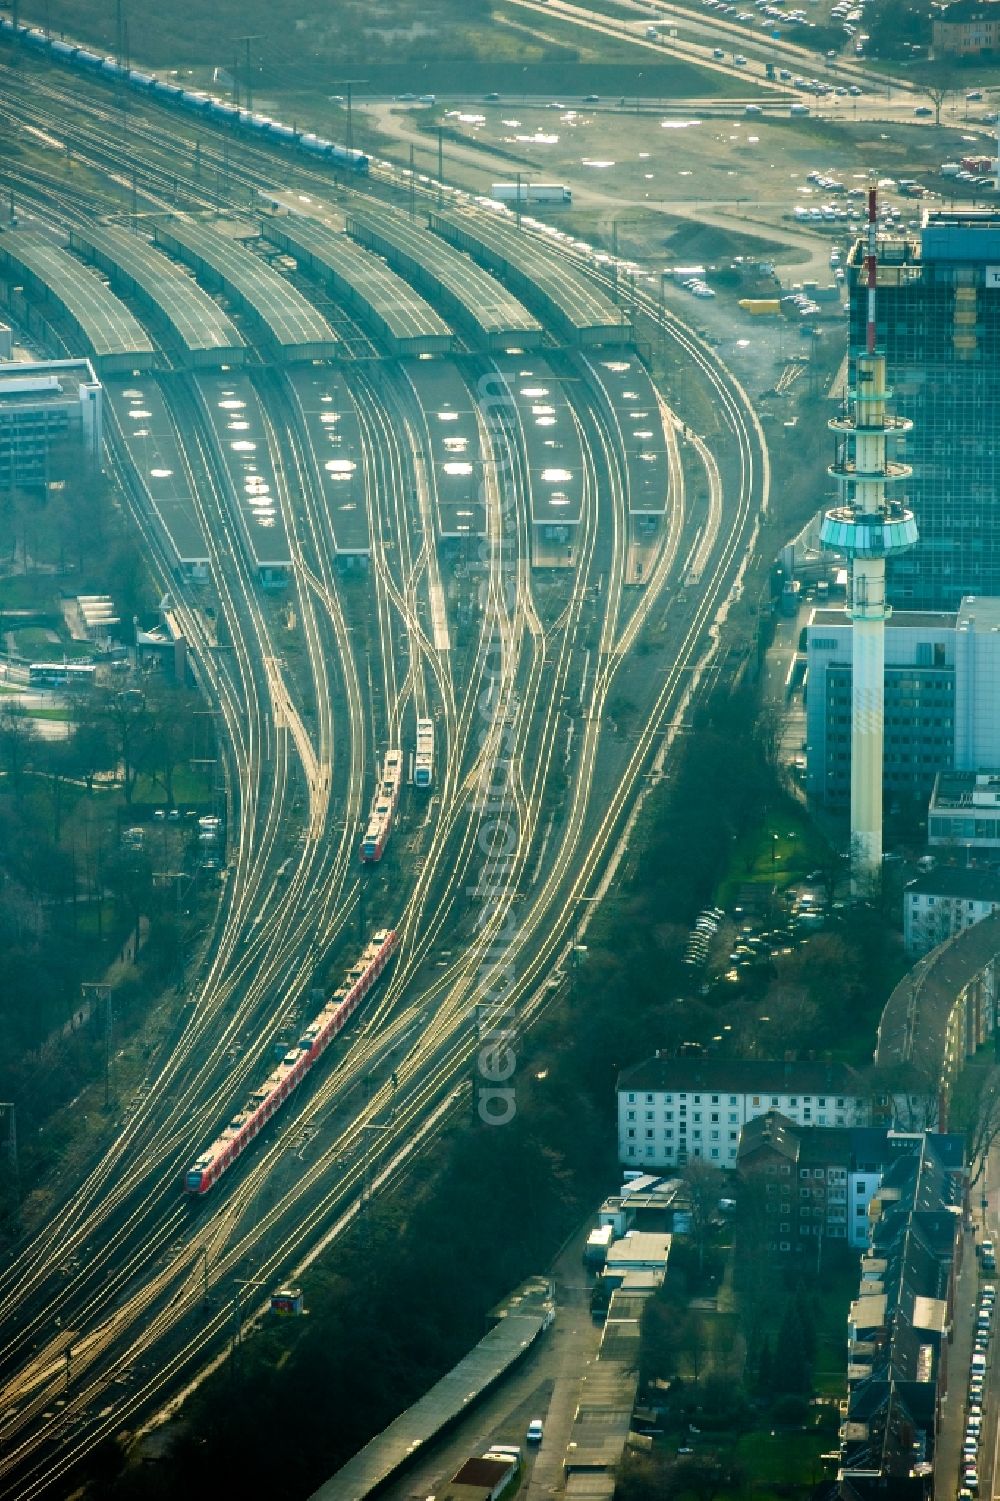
(531, 667)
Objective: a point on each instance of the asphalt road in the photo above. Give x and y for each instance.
(545, 1385)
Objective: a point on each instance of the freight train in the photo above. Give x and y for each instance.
(192, 100)
(283, 1080)
(383, 809)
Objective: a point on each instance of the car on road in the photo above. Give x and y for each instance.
(536, 1429)
(740, 60)
(923, 112)
(718, 53)
(591, 98)
(974, 96)
(855, 91)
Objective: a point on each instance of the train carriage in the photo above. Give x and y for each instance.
(423, 765)
(75, 56)
(285, 1078)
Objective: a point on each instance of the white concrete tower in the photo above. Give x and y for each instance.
(868, 526)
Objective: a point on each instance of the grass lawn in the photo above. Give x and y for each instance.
(838, 1286)
(781, 851)
(189, 787)
(780, 1458)
(35, 641)
(28, 591)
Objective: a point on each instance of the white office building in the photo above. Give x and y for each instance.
(942, 698)
(42, 404)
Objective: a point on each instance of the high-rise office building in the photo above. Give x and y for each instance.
(938, 321)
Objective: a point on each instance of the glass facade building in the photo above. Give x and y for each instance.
(938, 321)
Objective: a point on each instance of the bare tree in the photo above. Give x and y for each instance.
(703, 1184)
(938, 93)
(977, 1114)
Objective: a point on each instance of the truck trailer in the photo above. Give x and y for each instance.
(531, 192)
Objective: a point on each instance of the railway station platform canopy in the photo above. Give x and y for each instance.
(149, 435)
(551, 442)
(569, 302)
(383, 301)
(333, 433)
(289, 323)
(231, 404)
(494, 317)
(527, 1314)
(633, 400)
(115, 340)
(454, 447)
(206, 335)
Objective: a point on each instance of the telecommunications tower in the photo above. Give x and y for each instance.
(868, 526)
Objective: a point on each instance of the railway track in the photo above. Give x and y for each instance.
(134, 1315)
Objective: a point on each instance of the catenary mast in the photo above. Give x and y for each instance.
(868, 526)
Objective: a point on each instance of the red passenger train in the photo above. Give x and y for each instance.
(292, 1069)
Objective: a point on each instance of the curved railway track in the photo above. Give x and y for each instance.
(134, 1313)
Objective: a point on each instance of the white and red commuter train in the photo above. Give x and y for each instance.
(383, 810)
(423, 766)
(292, 1069)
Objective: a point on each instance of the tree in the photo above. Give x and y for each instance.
(170, 707)
(132, 731)
(90, 745)
(703, 1183)
(807, 1319)
(977, 1113)
(895, 27)
(792, 1367)
(16, 736)
(937, 93)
